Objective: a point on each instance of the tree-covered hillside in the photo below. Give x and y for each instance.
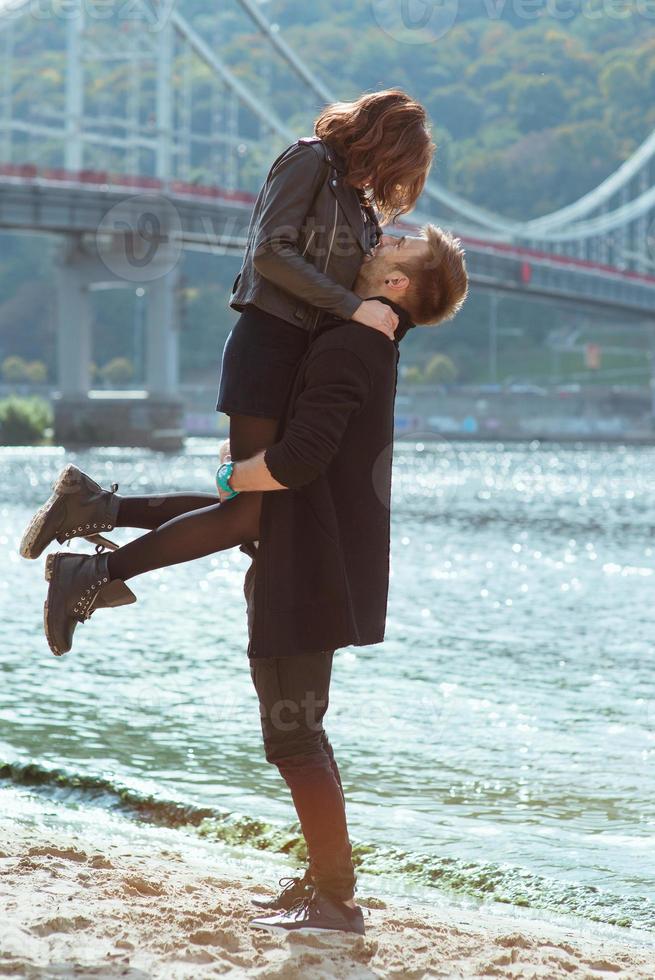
(530, 109)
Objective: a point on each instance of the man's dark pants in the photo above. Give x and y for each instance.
(293, 697)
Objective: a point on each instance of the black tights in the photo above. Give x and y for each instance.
(185, 526)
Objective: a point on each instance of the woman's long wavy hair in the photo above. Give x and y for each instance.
(386, 143)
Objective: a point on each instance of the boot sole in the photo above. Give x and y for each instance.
(307, 930)
(49, 572)
(67, 478)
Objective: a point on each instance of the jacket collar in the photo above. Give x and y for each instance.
(339, 164)
(334, 157)
(346, 195)
(350, 205)
(405, 322)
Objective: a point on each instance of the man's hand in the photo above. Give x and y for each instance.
(373, 313)
(224, 457)
(248, 474)
(224, 451)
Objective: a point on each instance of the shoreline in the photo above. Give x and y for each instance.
(111, 908)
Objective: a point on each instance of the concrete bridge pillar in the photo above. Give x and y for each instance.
(152, 417)
(73, 329)
(162, 335)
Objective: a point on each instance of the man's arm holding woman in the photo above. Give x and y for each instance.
(337, 384)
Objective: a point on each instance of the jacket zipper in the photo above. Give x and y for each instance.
(309, 241)
(327, 259)
(334, 233)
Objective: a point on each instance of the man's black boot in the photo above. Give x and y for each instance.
(292, 890)
(314, 913)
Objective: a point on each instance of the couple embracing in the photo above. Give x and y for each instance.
(308, 380)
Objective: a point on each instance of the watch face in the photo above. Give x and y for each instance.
(223, 474)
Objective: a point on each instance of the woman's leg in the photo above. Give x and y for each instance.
(248, 436)
(158, 508)
(202, 530)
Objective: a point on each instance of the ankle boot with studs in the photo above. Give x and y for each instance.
(79, 584)
(77, 508)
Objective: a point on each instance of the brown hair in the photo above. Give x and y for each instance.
(385, 140)
(438, 286)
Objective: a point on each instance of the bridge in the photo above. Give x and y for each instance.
(126, 194)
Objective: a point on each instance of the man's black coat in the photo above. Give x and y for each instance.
(322, 569)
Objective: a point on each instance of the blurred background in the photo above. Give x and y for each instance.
(121, 127)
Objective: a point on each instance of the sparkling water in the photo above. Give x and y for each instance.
(499, 745)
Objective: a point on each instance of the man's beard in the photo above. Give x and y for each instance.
(370, 275)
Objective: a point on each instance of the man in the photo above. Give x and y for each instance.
(320, 579)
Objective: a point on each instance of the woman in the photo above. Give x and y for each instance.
(312, 225)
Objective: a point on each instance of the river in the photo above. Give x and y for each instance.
(499, 745)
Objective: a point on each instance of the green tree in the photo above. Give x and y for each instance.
(459, 110)
(413, 375)
(494, 92)
(118, 371)
(619, 84)
(539, 103)
(36, 372)
(24, 421)
(649, 77)
(440, 369)
(14, 369)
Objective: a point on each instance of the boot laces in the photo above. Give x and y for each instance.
(85, 605)
(289, 883)
(84, 529)
(304, 903)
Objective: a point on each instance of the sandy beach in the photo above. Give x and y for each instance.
(120, 910)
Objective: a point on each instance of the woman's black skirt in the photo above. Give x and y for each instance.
(260, 359)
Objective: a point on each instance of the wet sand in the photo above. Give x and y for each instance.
(71, 907)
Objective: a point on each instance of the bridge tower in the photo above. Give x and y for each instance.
(149, 417)
(139, 106)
